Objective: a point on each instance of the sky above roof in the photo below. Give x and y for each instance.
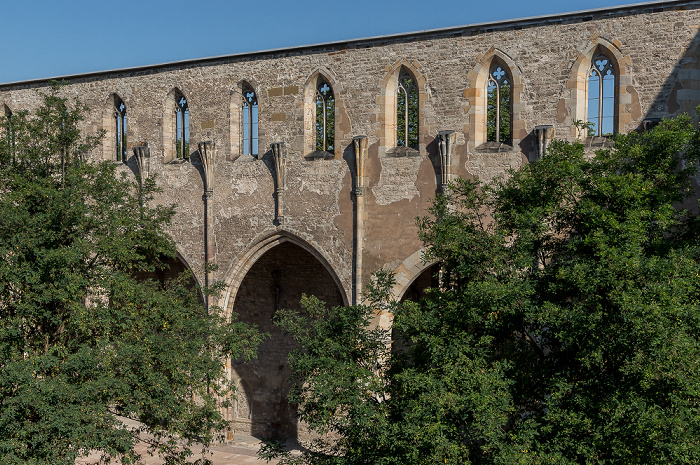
(42, 38)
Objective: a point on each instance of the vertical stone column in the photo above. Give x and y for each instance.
(206, 153)
(360, 146)
(543, 134)
(446, 145)
(143, 161)
(279, 155)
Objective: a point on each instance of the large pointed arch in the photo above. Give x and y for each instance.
(405, 275)
(408, 271)
(181, 255)
(273, 277)
(238, 271)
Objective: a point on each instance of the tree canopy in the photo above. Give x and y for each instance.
(565, 329)
(88, 334)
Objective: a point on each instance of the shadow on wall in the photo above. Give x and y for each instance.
(680, 92)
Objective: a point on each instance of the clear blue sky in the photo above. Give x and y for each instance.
(48, 38)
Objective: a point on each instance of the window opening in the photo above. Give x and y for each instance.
(182, 129)
(407, 112)
(250, 122)
(601, 96)
(498, 106)
(325, 117)
(9, 130)
(120, 130)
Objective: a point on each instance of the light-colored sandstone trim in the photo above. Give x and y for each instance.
(576, 92)
(310, 111)
(169, 123)
(387, 106)
(476, 94)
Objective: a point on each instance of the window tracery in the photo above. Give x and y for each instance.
(498, 105)
(9, 129)
(249, 122)
(601, 96)
(182, 128)
(120, 130)
(325, 117)
(407, 111)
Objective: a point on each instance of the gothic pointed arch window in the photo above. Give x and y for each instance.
(601, 96)
(499, 109)
(182, 128)
(325, 117)
(9, 129)
(407, 111)
(120, 130)
(249, 121)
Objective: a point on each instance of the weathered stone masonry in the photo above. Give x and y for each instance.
(286, 222)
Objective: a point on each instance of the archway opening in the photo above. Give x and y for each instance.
(276, 281)
(427, 279)
(171, 268)
(415, 292)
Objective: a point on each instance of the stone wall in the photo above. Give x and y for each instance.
(654, 48)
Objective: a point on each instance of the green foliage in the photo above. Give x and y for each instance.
(325, 118)
(583, 128)
(339, 374)
(407, 113)
(179, 152)
(566, 328)
(85, 338)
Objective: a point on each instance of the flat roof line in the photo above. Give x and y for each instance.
(529, 20)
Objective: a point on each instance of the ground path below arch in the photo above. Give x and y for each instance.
(239, 451)
(242, 450)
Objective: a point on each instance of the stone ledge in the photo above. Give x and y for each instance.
(401, 152)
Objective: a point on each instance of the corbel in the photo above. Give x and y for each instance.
(206, 153)
(544, 133)
(360, 145)
(143, 160)
(446, 146)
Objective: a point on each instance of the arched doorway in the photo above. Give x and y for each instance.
(276, 280)
(414, 290)
(171, 268)
(428, 278)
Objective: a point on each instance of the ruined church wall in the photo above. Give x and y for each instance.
(658, 77)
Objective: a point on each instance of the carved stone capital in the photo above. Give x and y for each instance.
(446, 146)
(143, 161)
(544, 133)
(360, 145)
(206, 153)
(279, 154)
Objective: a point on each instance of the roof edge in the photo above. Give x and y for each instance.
(529, 21)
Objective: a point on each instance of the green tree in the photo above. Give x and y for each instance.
(566, 328)
(85, 338)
